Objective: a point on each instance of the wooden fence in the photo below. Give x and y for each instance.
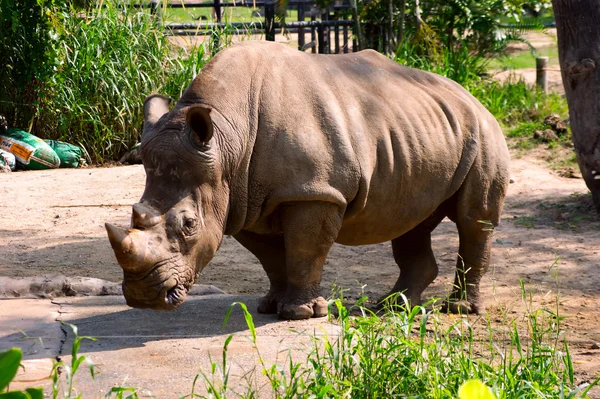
(328, 31)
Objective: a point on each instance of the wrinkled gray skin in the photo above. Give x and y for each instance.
(291, 152)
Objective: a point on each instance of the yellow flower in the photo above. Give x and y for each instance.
(475, 389)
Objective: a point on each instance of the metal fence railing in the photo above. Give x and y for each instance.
(329, 31)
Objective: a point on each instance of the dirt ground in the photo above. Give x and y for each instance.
(52, 222)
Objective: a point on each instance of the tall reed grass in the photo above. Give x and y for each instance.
(111, 58)
(85, 78)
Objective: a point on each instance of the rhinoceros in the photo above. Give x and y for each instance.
(291, 152)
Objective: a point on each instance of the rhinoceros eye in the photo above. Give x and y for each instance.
(189, 226)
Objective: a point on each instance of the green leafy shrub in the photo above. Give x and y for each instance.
(516, 102)
(81, 75)
(458, 64)
(29, 40)
(110, 62)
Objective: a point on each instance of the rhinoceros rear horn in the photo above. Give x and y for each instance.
(155, 106)
(199, 120)
(144, 216)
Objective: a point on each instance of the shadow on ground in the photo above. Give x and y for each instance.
(572, 212)
(116, 326)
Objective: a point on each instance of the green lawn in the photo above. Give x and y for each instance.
(241, 13)
(524, 59)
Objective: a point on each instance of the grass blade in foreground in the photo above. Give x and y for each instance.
(411, 352)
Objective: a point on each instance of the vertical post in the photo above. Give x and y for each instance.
(270, 21)
(345, 39)
(541, 76)
(324, 34)
(336, 35)
(321, 38)
(301, 29)
(217, 8)
(313, 34)
(357, 40)
(216, 33)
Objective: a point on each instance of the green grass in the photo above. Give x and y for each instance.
(524, 59)
(546, 16)
(410, 352)
(515, 102)
(405, 352)
(525, 129)
(525, 221)
(559, 154)
(566, 162)
(240, 13)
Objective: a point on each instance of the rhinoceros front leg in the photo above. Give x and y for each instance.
(309, 230)
(270, 251)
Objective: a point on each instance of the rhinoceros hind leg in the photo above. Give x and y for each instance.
(415, 258)
(471, 265)
(270, 251)
(479, 205)
(309, 231)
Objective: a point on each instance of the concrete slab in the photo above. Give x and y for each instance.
(48, 287)
(160, 353)
(31, 325)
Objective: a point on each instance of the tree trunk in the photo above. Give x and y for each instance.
(579, 53)
(356, 27)
(400, 36)
(390, 43)
(418, 19)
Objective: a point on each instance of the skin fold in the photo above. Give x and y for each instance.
(290, 152)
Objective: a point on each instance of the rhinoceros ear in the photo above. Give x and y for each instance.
(199, 120)
(155, 106)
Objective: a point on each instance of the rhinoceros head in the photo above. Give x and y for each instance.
(177, 226)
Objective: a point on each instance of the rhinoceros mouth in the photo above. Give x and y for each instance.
(176, 296)
(163, 287)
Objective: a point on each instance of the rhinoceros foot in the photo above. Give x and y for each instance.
(316, 307)
(268, 303)
(462, 306)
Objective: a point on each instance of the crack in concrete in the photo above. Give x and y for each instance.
(65, 333)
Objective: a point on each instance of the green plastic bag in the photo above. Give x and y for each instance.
(30, 151)
(4, 166)
(69, 154)
(7, 159)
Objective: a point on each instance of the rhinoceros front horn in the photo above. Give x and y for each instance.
(122, 243)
